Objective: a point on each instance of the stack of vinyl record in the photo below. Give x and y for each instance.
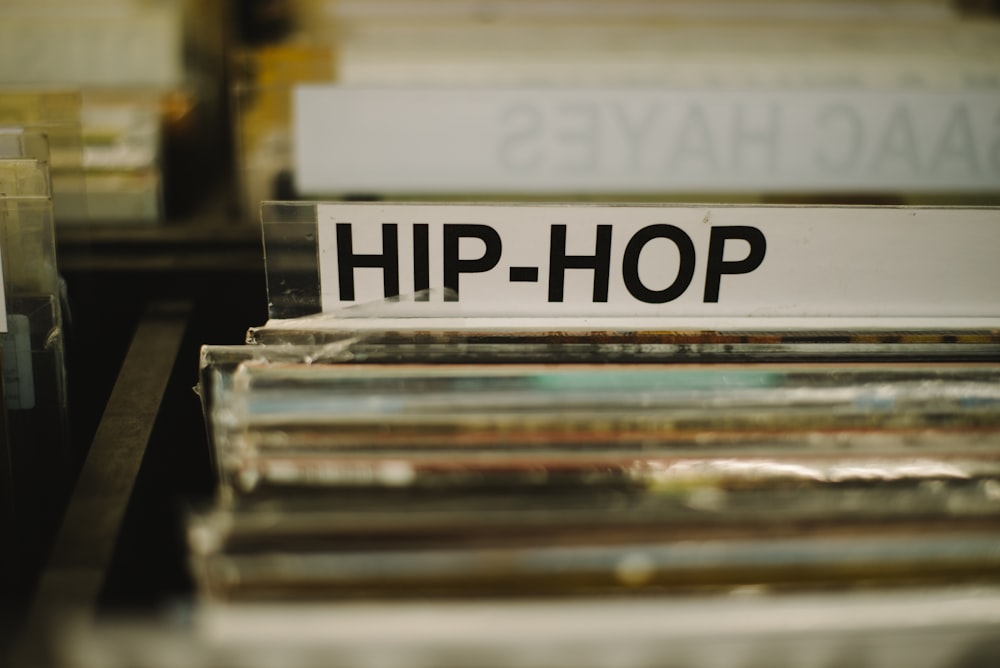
(500, 483)
(358, 469)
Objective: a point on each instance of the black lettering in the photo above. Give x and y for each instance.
(559, 262)
(454, 266)
(685, 269)
(421, 262)
(348, 260)
(716, 249)
(523, 274)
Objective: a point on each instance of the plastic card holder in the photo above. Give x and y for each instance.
(28, 246)
(24, 178)
(34, 373)
(666, 267)
(56, 114)
(123, 137)
(34, 363)
(290, 237)
(20, 143)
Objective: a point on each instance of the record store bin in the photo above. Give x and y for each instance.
(556, 333)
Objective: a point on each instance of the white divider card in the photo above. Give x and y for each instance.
(644, 140)
(756, 262)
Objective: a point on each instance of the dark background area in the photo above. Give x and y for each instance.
(113, 275)
(217, 268)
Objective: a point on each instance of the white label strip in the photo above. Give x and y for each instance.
(719, 262)
(638, 140)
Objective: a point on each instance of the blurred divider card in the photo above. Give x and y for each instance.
(637, 140)
(891, 266)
